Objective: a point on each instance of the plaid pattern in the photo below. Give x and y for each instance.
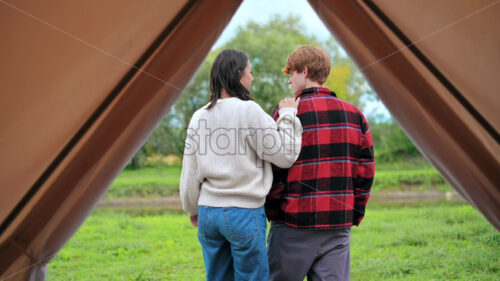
(329, 185)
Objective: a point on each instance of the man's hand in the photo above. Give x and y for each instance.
(194, 220)
(289, 102)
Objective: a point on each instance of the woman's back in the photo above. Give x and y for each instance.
(230, 147)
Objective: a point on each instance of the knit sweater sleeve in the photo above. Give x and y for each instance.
(276, 142)
(189, 187)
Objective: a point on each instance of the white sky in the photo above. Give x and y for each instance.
(261, 11)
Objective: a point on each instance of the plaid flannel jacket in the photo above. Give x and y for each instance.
(329, 185)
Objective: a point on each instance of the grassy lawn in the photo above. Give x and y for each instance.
(164, 180)
(416, 180)
(115, 245)
(151, 181)
(428, 242)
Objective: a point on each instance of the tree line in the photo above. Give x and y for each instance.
(268, 46)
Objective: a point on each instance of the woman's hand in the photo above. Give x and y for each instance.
(289, 102)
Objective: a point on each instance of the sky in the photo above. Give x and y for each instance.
(261, 11)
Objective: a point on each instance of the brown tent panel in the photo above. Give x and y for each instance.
(75, 107)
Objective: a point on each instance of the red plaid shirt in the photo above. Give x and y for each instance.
(329, 184)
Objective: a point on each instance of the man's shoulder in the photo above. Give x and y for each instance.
(324, 102)
(350, 107)
(328, 107)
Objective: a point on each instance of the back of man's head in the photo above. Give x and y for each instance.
(314, 58)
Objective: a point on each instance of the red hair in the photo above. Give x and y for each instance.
(314, 58)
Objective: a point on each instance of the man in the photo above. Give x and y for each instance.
(313, 204)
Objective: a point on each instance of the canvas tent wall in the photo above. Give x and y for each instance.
(84, 83)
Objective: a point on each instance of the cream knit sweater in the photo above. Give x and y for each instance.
(228, 154)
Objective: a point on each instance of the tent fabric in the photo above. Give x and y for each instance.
(434, 64)
(75, 106)
(59, 66)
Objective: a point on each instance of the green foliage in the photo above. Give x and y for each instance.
(195, 95)
(432, 242)
(268, 46)
(165, 140)
(345, 79)
(390, 143)
(139, 159)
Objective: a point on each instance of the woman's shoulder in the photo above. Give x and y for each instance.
(198, 114)
(233, 104)
(240, 105)
(251, 105)
(199, 111)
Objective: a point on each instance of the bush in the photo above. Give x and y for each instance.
(391, 143)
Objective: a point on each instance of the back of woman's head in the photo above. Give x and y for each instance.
(226, 72)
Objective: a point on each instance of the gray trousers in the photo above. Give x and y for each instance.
(319, 254)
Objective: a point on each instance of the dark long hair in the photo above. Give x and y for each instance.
(226, 72)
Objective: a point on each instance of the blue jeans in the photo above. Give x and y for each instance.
(234, 243)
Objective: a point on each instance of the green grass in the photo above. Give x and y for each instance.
(412, 174)
(425, 243)
(412, 163)
(419, 180)
(122, 246)
(428, 242)
(164, 180)
(151, 181)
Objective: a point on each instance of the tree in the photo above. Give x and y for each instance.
(391, 143)
(195, 95)
(345, 79)
(165, 140)
(268, 46)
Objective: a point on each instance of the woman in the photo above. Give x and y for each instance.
(226, 171)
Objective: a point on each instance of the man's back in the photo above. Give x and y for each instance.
(329, 184)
